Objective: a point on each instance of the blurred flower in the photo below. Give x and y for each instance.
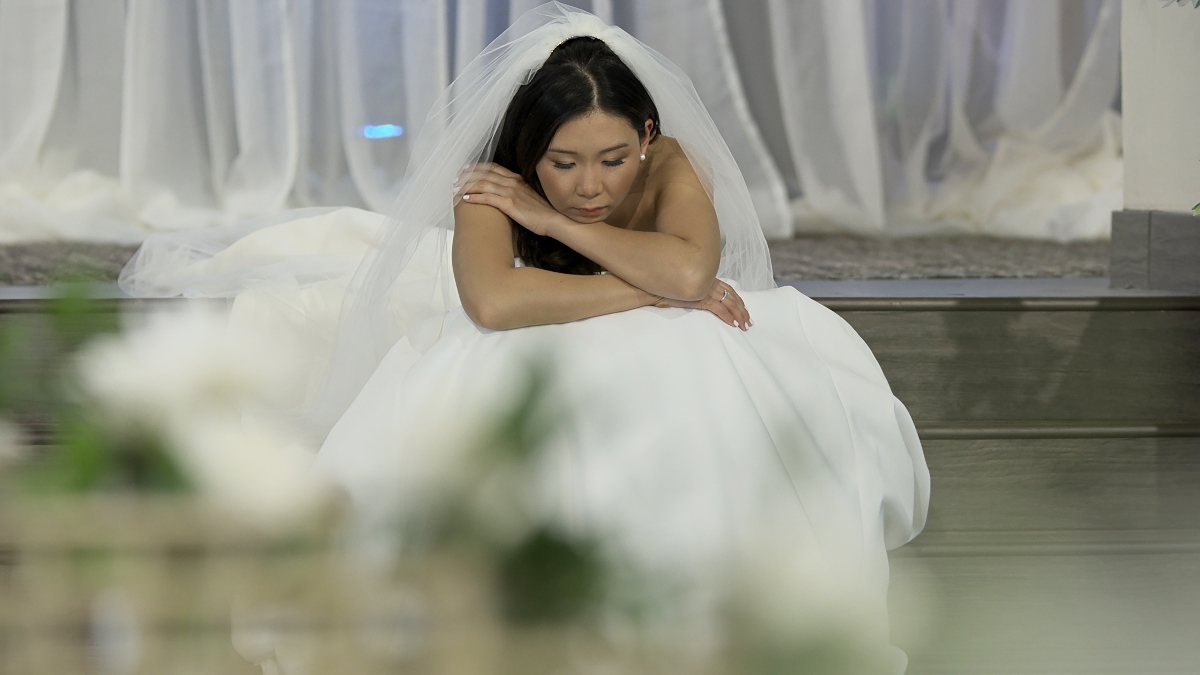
(799, 613)
(11, 443)
(250, 466)
(211, 393)
(504, 507)
(177, 363)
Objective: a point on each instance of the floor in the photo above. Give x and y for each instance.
(824, 257)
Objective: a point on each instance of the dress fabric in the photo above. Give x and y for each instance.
(681, 440)
(680, 435)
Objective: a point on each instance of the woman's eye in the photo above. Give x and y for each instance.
(614, 162)
(562, 165)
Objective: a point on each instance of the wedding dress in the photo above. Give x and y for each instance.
(680, 440)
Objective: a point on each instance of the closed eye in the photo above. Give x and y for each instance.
(614, 162)
(563, 165)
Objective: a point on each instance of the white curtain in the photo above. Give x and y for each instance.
(988, 116)
(123, 117)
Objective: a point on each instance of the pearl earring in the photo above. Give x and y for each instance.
(643, 157)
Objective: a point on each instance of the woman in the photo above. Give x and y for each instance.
(587, 183)
(600, 225)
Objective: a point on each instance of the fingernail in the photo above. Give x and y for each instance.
(467, 197)
(735, 323)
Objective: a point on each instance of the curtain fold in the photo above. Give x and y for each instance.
(33, 35)
(885, 117)
(394, 63)
(919, 116)
(173, 138)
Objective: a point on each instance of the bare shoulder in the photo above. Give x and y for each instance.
(681, 204)
(670, 166)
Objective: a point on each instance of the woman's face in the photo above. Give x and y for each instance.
(591, 165)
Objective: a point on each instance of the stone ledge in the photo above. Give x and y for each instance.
(1156, 250)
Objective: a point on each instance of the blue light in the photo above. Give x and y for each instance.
(382, 131)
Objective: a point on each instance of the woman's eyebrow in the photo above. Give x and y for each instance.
(572, 152)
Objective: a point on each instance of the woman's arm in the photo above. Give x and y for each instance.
(678, 261)
(497, 295)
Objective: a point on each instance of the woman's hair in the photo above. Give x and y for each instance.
(582, 75)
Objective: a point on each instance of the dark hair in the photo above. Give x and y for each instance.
(582, 75)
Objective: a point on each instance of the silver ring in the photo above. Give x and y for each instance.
(724, 296)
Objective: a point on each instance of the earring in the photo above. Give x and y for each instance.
(643, 157)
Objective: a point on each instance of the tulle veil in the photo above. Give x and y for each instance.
(405, 281)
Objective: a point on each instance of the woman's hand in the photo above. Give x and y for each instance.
(721, 300)
(494, 185)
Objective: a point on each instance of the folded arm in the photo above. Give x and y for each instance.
(498, 295)
(678, 261)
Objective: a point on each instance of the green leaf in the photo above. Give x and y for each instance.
(1196, 208)
(79, 462)
(89, 458)
(547, 579)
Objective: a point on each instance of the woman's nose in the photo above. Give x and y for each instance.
(589, 185)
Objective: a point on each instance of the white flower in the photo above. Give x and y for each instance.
(176, 363)
(795, 604)
(504, 505)
(213, 394)
(251, 467)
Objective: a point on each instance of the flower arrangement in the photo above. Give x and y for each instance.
(170, 514)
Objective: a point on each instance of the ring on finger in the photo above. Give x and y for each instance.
(724, 296)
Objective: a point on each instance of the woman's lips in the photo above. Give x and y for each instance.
(589, 212)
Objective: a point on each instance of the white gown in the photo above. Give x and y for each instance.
(680, 434)
(681, 439)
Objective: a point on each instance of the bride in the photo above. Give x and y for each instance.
(584, 182)
(571, 201)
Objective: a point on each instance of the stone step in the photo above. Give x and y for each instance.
(1063, 356)
(1071, 352)
(1080, 484)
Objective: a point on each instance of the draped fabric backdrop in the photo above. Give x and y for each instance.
(123, 117)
